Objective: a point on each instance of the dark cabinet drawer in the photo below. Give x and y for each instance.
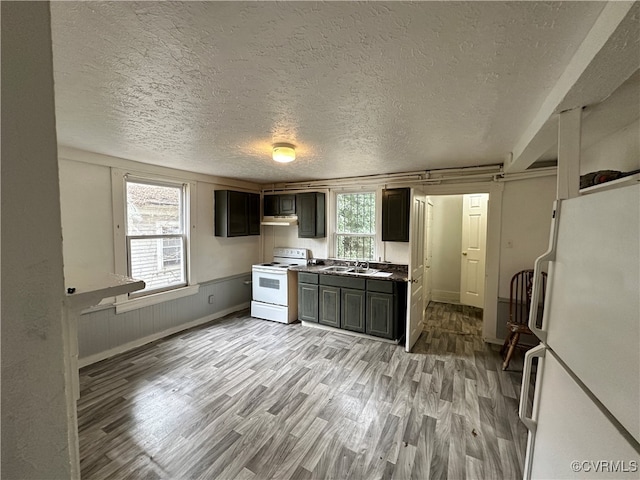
(382, 286)
(305, 277)
(340, 281)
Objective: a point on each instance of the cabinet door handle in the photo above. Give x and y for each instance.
(464, 253)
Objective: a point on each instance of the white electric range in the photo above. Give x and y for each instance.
(275, 286)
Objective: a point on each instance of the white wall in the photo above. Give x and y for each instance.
(87, 218)
(447, 245)
(279, 236)
(526, 220)
(618, 151)
(35, 432)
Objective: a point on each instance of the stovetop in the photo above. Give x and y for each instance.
(274, 265)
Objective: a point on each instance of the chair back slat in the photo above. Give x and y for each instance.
(520, 295)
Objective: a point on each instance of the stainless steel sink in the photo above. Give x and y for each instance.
(350, 270)
(363, 271)
(336, 268)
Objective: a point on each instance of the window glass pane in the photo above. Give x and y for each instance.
(355, 247)
(153, 209)
(157, 261)
(356, 225)
(356, 213)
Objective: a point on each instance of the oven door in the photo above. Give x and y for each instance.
(269, 286)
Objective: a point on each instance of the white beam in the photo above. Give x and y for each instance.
(569, 139)
(536, 140)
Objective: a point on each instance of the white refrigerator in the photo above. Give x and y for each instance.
(585, 419)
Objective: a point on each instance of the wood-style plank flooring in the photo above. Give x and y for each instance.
(243, 398)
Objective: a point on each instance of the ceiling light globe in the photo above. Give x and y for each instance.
(284, 153)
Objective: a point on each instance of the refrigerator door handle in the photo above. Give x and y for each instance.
(547, 256)
(536, 352)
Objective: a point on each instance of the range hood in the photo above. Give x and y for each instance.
(280, 221)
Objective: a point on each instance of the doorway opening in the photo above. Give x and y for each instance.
(455, 246)
(482, 248)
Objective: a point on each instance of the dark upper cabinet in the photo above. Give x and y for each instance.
(279, 205)
(310, 208)
(254, 214)
(237, 214)
(271, 205)
(395, 215)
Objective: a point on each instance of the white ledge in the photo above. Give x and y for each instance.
(85, 288)
(155, 298)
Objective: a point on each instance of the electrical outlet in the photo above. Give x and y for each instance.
(211, 299)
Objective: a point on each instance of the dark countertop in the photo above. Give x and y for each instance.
(398, 272)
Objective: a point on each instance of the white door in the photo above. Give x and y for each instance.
(474, 240)
(415, 321)
(573, 434)
(428, 254)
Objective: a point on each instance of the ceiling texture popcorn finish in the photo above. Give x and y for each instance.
(358, 88)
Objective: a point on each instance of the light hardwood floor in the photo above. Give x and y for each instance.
(243, 398)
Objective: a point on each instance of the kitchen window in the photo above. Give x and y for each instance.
(156, 239)
(355, 237)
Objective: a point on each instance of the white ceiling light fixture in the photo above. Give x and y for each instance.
(284, 152)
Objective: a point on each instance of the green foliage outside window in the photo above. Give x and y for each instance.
(356, 226)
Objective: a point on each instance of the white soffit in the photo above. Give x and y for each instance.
(359, 88)
(602, 76)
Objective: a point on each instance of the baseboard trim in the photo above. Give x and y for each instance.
(348, 332)
(444, 296)
(97, 357)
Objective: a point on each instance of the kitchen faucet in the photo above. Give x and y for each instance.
(358, 265)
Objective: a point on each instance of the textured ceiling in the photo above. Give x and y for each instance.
(359, 88)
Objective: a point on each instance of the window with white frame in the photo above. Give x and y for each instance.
(156, 238)
(356, 226)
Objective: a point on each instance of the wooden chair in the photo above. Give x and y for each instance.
(519, 306)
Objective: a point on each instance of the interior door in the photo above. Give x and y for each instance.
(428, 253)
(474, 246)
(415, 319)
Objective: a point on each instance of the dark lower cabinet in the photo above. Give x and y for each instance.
(329, 308)
(374, 307)
(352, 309)
(380, 315)
(308, 302)
(308, 297)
